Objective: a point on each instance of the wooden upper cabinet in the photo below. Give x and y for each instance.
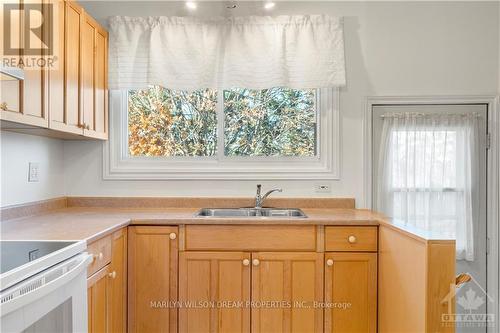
(56, 85)
(73, 118)
(70, 97)
(152, 255)
(93, 83)
(99, 125)
(118, 282)
(23, 101)
(351, 279)
(295, 278)
(218, 278)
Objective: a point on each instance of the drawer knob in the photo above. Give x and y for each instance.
(172, 235)
(112, 274)
(3, 106)
(98, 256)
(256, 262)
(352, 239)
(329, 262)
(246, 262)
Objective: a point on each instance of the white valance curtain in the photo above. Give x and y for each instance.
(188, 53)
(428, 165)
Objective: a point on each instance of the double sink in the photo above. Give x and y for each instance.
(251, 212)
(257, 211)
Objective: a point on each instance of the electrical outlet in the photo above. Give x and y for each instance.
(33, 172)
(322, 188)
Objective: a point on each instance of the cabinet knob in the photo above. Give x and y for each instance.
(3, 106)
(112, 274)
(87, 127)
(352, 239)
(246, 262)
(256, 262)
(172, 236)
(329, 262)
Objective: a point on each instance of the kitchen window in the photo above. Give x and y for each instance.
(276, 133)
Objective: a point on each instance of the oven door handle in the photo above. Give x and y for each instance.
(40, 289)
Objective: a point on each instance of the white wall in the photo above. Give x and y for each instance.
(392, 48)
(17, 150)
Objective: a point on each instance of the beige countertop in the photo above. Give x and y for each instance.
(91, 223)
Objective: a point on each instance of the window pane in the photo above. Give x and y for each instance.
(424, 159)
(164, 122)
(270, 122)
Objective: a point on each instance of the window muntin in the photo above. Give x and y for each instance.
(276, 122)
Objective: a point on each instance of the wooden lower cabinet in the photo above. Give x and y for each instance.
(107, 287)
(118, 282)
(98, 301)
(214, 292)
(296, 280)
(250, 292)
(351, 279)
(152, 278)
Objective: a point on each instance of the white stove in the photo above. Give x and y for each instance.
(43, 286)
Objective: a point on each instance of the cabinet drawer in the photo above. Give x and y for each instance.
(101, 252)
(251, 238)
(351, 239)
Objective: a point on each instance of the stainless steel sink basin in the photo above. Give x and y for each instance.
(251, 212)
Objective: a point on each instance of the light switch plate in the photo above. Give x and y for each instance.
(33, 172)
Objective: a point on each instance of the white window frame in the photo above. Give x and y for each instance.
(119, 165)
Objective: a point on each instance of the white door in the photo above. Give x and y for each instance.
(472, 299)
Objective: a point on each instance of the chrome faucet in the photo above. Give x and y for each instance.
(259, 200)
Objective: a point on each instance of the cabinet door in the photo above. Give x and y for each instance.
(23, 102)
(56, 74)
(118, 282)
(220, 282)
(88, 71)
(294, 282)
(98, 301)
(93, 87)
(10, 88)
(152, 278)
(98, 118)
(351, 279)
(72, 121)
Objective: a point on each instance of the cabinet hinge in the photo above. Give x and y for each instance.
(487, 245)
(488, 140)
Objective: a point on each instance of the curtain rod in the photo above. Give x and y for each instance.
(424, 115)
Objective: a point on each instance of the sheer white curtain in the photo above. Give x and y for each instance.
(188, 53)
(428, 166)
